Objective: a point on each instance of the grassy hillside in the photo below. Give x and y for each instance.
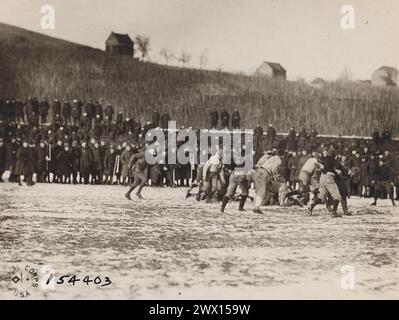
(36, 65)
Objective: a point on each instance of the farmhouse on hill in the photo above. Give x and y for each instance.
(271, 70)
(120, 44)
(385, 76)
(318, 83)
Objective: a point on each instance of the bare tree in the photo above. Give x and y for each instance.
(166, 55)
(172, 57)
(346, 75)
(301, 80)
(143, 45)
(184, 58)
(203, 58)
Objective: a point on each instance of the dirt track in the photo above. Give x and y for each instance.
(168, 247)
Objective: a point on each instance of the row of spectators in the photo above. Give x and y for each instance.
(94, 147)
(35, 111)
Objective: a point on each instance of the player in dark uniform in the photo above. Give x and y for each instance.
(328, 186)
(383, 181)
(138, 166)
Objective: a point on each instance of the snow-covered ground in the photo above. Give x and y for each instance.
(166, 247)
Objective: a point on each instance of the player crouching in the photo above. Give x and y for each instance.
(238, 178)
(328, 185)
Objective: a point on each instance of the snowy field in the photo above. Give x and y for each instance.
(166, 247)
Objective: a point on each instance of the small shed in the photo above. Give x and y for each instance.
(119, 44)
(385, 76)
(271, 70)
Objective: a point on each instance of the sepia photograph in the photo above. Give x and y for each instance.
(187, 150)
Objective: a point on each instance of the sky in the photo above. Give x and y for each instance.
(304, 36)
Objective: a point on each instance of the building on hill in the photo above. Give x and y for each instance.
(318, 83)
(385, 76)
(271, 70)
(119, 44)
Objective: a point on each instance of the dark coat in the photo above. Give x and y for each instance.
(86, 161)
(383, 174)
(25, 164)
(90, 110)
(225, 118)
(109, 111)
(364, 173)
(355, 170)
(235, 119)
(3, 158)
(76, 154)
(156, 117)
(258, 137)
(13, 157)
(395, 165)
(258, 133)
(372, 167)
(99, 110)
(291, 142)
(56, 150)
(271, 135)
(395, 169)
(44, 107)
(293, 166)
(303, 140)
(41, 159)
(164, 120)
(76, 111)
(109, 162)
(19, 109)
(33, 106)
(64, 163)
(56, 108)
(214, 118)
(283, 169)
(66, 109)
(97, 159)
